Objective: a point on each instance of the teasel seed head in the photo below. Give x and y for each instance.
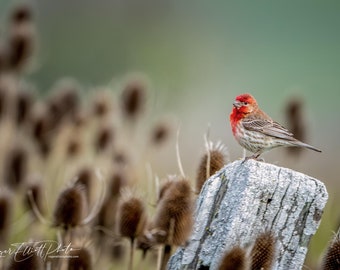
(131, 216)
(16, 167)
(212, 161)
(133, 98)
(25, 257)
(160, 133)
(5, 216)
(234, 259)
(331, 260)
(21, 46)
(174, 214)
(85, 180)
(24, 104)
(117, 182)
(80, 259)
(263, 251)
(104, 138)
(64, 103)
(295, 121)
(70, 207)
(101, 105)
(21, 14)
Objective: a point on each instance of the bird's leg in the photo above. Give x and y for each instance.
(254, 156)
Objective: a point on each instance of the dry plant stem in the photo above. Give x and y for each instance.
(179, 157)
(132, 249)
(166, 256)
(96, 208)
(36, 210)
(65, 240)
(160, 257)
(207, 175)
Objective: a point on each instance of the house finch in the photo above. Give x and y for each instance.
(256, 131)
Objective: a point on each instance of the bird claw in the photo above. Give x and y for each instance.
(255, 157)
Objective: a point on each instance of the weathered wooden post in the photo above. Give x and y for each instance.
(243, 200)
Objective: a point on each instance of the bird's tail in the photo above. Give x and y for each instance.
(302, 144)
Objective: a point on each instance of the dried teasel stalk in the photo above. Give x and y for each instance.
(133, 98)
(263, 251)
(331, 259)
(16, 167)
(213, 160)
(173, 219)
(5, 216)
(131, 219)
(25, 257)
(174, 213)
(234, 259)
(79, 259)
(70, 207)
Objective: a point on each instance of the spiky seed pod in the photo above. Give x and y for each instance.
(3, 58)
(331, 260)
(37, 196)
(80, 259)
(295, 122)
(70, 207)
(131, 217)
(100, 104)
(25, 257)
(73, 147)
(104, 138)
(164, 188)
(263, 252)
(174, 214)
(116, 182)
(21, 14)
(218, 158)
(234, 259)
(5, 217)
(160, 133)
(64, 103)
(24, 103)
(117, 251)
(41, 128)
(133, 98)
(21, 46)
(85, 179)
(16, 167)
(107, 214)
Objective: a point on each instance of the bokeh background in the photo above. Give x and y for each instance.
(198, 55)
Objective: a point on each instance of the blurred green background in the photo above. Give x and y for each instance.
(198, 55)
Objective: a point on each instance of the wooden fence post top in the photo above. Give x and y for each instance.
(245, 199)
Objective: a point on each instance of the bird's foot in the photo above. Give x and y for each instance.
(255, 156)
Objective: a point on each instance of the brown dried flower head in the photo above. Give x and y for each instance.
(174, 214)
(5, 217)
(26, 257)
(131, 216)
(211, 162)
(70, 207)
(133, 98)
(21, 14)
(16, 167)
(80, 259)
(331, 260)
(234, 259)
(263, 252)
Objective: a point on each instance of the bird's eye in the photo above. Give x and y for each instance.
(245, 103)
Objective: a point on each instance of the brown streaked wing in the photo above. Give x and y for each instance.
(267, 127)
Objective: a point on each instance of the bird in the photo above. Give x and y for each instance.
(257, 132)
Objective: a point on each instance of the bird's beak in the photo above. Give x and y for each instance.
(237, 104)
